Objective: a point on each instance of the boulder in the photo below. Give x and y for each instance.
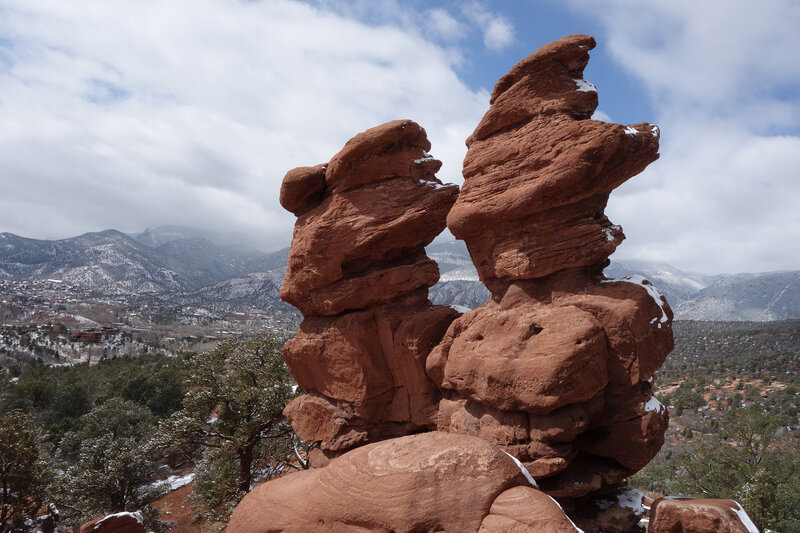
(668, 515)
(526, 510)
(124, 522)
(427, 482)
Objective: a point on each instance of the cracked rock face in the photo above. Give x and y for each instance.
(555, 366)
(358, 272)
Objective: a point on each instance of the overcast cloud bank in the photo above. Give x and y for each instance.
(142, 113)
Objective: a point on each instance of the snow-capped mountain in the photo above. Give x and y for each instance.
(186, 266)
(693, 296)
(676, 285)
(754, 297)
(111, 262)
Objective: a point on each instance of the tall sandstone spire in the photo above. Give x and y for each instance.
(428, 420)
(555, 367)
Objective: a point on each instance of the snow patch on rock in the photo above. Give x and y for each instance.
(584, 86)
(524, 470)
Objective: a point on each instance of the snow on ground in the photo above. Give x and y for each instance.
(136, 516)
(173, 482)
(629, 498)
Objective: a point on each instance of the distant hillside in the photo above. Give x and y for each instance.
(190, 266)
(111, 262)
(676, 285)
(753, 297)
(108, 260)
(725, 297)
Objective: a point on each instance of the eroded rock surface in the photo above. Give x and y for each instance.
(526, 510)
(428, 482)
(699, 516)
(555, 367)
(358, 272)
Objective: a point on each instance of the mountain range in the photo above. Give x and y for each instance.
(194, 267)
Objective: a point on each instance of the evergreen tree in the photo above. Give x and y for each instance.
(23, 475)
(107, 463)
(233, 411)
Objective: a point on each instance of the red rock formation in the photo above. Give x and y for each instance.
(699, 516)
(526, 510)
(555, 367)
(428, 482)
(115, 523)
(358, 272)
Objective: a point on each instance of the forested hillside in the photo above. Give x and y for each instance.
(118, 433)
(733, 390)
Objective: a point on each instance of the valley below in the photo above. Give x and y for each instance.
(136, 308)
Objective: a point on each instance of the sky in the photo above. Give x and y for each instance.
(143, 113)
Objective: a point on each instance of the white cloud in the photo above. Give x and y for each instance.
(142, 113)
(444, 25)
(723, 77)
(601, 115)
(498, 33)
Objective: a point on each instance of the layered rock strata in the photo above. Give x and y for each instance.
(428, 482)
(554, 370)
(556, 366)
(358, 272)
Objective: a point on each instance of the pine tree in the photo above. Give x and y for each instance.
(233, 412)
(108, 464)
(23, 475)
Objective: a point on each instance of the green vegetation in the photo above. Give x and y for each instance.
(734, 395)
(106, 461)
(23, 473)
(89, 437)
(233, 410)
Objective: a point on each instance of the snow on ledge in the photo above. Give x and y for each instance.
(435, 185)
(609, 231)
(524, 470)
(460, 308)
(654, 293)
(584, 86)
(654, 406)
(748, 523)
(631, 130)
